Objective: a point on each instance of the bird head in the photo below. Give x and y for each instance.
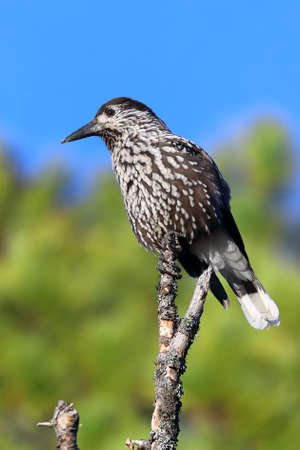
(117, 117)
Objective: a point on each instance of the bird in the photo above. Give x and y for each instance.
(169, 184)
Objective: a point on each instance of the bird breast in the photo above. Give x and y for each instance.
(145, 196)
(162, 193)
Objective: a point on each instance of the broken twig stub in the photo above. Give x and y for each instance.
(65, 423)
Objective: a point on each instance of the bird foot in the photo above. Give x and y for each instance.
(164, 267)
(171, 242)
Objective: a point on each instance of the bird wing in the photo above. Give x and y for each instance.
(201, 194)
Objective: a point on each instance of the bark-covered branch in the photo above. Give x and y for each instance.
(175, 338)
(65, 422)
(176, 335)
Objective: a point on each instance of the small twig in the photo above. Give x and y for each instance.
(175, 337)
(65, 422)
(189, 325)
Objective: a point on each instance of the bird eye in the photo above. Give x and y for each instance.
(109, 112)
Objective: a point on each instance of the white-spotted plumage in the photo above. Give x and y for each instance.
(169, 184)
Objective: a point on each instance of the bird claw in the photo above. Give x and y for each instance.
(164, 268)
(171, 242)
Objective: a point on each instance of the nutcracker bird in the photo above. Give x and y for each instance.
(171, 185)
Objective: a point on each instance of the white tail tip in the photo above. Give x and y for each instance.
(260, 310)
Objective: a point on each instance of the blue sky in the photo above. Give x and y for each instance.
(204, 67)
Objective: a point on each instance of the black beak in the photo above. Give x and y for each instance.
(90, 129)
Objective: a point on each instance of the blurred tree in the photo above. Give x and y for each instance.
(78, 314)
(259, 165)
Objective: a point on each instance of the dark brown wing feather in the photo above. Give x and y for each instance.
(203, 192)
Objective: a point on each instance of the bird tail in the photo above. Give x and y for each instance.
(258, 307)
(227, 258)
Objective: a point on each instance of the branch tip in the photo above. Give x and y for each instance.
(65, 422)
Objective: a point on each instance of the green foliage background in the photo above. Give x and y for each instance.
(78, 313)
